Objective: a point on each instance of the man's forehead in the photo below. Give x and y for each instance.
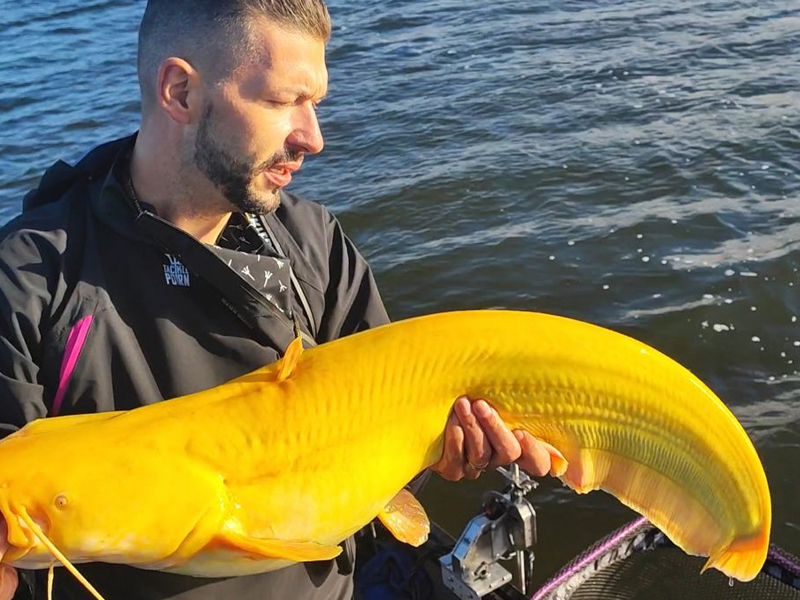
(273, 42)
(287, 57)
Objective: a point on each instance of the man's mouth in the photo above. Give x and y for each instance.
(281, 174)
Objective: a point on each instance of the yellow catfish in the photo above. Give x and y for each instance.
(280, 465)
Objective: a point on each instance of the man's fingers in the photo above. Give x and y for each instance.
(476, 439)
(504, 444)
(471, 472)
(535, 458)
(8, 574)
(8, 582)
(477, 448)
(450, 466)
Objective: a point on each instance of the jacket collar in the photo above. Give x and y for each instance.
(109, 201)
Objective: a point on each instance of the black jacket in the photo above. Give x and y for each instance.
(80, 249)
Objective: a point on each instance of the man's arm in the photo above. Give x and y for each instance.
(24, 309)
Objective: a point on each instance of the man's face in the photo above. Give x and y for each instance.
(257, 124)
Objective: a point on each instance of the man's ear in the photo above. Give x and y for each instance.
(179, 90)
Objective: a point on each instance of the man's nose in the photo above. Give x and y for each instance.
(306, 134)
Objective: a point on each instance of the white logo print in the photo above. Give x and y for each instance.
(175, 273)
(246, 271)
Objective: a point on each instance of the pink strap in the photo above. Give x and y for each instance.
(75, 341)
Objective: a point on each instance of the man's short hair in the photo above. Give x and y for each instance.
(214, 34)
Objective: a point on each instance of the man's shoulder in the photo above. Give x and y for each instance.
(49, 223)
(61, 179)
(60, 201)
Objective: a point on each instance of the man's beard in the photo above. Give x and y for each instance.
(233, 175)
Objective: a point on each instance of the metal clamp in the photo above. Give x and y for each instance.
(505, 529)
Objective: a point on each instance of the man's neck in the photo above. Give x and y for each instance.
(156, 182)
(206, 228)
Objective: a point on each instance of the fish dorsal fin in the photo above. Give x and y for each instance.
(405, 517)
(290, 359)
(297, 551)
(26, 518)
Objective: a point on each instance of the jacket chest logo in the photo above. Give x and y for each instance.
(175, 273)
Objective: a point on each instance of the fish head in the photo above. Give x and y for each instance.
(39, 497)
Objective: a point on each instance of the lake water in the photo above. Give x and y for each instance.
(635, 164)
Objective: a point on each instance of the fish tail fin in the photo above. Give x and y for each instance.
(742, 559)
(735, 549)
(39, 532)
(669, 507)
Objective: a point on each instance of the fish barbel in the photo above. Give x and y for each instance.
(282, 464)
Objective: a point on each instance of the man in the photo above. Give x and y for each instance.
(173, 260)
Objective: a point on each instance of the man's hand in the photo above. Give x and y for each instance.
(8, 575)
(8, 582)
(476, 439)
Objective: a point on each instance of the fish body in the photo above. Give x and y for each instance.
(282, 464)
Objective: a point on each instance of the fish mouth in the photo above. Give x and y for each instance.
(17, 538)
(4, 545)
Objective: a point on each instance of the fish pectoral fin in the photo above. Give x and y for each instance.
(290, 359)
(297, 551)
(406, 519)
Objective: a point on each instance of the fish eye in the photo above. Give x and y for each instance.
(60, 501)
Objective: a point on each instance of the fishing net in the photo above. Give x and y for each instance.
(638, 562)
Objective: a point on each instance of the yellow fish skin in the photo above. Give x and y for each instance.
(282, 464)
